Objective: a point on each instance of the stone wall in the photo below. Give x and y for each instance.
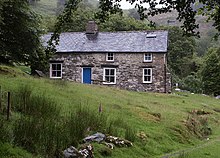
(129, 69)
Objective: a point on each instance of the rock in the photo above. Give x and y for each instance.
(109, 145)
(97, 137)
(118, 141)
(71, 152)
(217, 97)
(85, 151)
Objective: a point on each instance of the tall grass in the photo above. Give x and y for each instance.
(43, 130)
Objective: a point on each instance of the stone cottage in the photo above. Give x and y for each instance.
(135, 60)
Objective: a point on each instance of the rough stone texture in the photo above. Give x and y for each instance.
(129, 69)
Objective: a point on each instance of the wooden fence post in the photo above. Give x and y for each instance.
(9, 105)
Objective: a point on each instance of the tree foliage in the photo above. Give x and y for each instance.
(186, 12)
(20, 34)
(210, 72)
(181, 53)
(123, 23)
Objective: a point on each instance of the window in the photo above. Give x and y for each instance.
(110, 57)
(147, 75)
(109, 76)
(147, 57)
(56, 70)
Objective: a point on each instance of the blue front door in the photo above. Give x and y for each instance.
(87, 75)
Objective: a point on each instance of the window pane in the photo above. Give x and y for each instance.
(54, 67)
(58, 74)
(106, 72)
(106, 78)
(112, 72)
(112, 79)
(54, 73)
(145, 71)
(148, 71)
(58, 66)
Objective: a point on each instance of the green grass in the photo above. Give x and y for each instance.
(210, 151)
(8, 151)
(159, 116)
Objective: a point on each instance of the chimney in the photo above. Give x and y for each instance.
(92, 30)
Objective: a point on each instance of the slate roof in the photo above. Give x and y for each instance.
(136, 41)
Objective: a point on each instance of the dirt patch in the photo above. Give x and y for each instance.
(145, 115)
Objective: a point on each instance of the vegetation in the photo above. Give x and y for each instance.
(210, 72)
(186, 11)
(20, 35)
(49, 116)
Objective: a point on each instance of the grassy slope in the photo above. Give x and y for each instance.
(134, 107)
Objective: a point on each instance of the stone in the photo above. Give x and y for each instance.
(97, 137)
(118, 141)
(129, 69)
(217, 97)
(85, 151)
(71, 152)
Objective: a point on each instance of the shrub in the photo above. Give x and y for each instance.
(192, 83)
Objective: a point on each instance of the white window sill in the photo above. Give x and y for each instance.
(110, 60)
(147, 82)
(56, 77)
(148, 61)
(110, 83)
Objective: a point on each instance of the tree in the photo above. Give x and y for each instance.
(20, 34)
(123, 23)
(185, 9)
(210, 72)
(181, 53)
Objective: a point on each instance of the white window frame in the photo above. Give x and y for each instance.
(147, 75)
(104, 75)
(147, 55)
(109, 55)
(61, 65)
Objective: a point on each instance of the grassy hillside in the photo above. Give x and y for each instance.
(159, 121)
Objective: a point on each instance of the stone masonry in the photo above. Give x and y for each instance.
(129, 69)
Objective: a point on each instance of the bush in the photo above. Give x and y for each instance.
(192, 84)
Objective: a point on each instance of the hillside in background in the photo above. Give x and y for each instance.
(161, 123)
(169, 19)
(48, 7)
